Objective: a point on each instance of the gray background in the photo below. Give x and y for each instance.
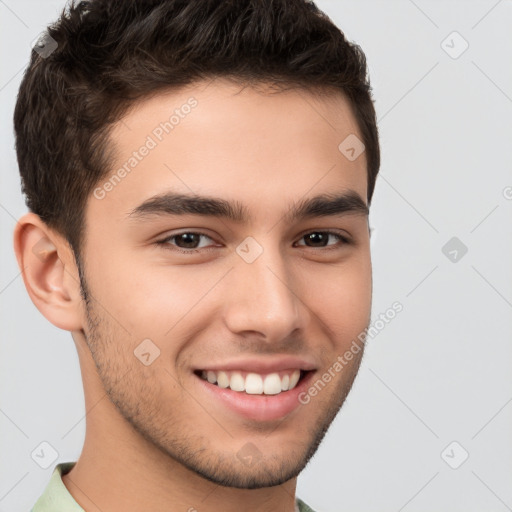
(440, 371)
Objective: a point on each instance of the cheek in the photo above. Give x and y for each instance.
(341, 296)
(148, 299)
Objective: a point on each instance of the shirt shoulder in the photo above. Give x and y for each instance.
(56, 497)
(302, 507)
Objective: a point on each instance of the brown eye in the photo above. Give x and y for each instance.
(319, 239)
(187, 240)
(182, 241)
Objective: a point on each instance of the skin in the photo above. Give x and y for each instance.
(154, 441)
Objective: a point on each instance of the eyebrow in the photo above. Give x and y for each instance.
(324, 205)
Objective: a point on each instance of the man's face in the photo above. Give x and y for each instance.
(174, 294)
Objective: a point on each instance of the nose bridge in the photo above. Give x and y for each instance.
(262, 296)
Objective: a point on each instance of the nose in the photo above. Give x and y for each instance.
(264, 297)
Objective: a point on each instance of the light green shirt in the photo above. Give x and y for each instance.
(57, 498)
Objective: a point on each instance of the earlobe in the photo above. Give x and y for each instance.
(49, 272)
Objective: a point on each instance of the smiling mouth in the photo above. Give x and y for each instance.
(252, 383)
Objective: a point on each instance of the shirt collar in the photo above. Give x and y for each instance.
(56, 497)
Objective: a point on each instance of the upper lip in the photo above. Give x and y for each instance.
(255, 365)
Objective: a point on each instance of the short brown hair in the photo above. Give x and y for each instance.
(110, 54)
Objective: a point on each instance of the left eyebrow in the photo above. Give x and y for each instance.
(327, 205)
(349, 202)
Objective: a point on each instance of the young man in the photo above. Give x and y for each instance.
(198, 175)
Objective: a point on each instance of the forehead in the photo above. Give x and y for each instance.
(216, 138)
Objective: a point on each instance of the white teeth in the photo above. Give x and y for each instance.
(222, 379)
(294, 378)
(272, 384)
(253, 384)
(237, 382)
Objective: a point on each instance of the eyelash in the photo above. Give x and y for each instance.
(164, 243)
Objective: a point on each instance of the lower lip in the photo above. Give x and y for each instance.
(258, 407)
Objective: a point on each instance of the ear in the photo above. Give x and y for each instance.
(49, 272)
